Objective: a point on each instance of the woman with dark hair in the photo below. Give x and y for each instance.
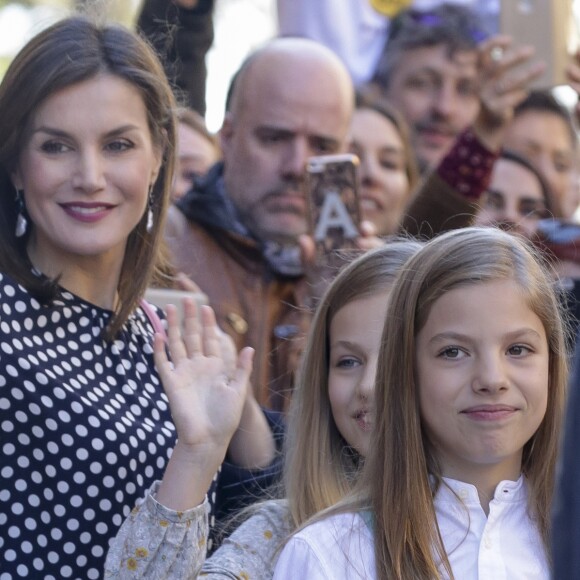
(86, 160)
(517, 196)
(544, 132)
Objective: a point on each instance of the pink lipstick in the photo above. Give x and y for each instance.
(87, 212)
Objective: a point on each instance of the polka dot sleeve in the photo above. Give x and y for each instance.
(86, 430)
(156, 542)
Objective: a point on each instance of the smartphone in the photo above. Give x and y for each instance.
(332, 186)
(547, 25)
(161, 297)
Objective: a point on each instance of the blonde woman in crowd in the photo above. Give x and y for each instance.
(388, 169)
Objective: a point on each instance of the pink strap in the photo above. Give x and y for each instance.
(153, 318)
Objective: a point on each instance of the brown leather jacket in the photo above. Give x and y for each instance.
(253, 305)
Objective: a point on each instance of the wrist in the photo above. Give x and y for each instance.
(188, 475)
(201, 456)
(490, 137)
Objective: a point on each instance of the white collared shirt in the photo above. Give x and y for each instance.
(505, 545)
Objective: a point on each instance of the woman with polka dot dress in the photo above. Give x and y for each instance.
(86, 119)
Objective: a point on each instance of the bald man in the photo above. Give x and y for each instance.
(235, 233)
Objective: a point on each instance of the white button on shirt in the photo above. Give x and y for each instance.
(505, 545)
(502, 546)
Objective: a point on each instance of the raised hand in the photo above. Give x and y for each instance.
(206, 393)
(206, 396)
(506, 72)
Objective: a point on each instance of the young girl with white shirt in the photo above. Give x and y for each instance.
(469, 396)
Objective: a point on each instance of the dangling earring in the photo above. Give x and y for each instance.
(21, 223)
(150, 211)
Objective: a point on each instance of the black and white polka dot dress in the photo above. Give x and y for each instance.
(85, 430)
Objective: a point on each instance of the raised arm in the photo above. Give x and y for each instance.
(206, 404)
(165, 535)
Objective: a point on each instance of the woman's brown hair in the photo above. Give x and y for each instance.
(69, 52)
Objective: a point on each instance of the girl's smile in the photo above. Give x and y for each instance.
(490, 412)
(482, 362)
(355, 333)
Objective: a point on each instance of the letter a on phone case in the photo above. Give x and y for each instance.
(333, 214)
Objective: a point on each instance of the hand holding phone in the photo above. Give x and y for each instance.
(548, 26)
(161, 297)
(333, 202)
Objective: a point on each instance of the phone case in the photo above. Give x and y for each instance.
(549, 27)
(161, 297)
(333, 202)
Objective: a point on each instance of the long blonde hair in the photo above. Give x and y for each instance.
(397, 482)
(320, 467)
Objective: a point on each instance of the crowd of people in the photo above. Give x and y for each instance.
(395, 411)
